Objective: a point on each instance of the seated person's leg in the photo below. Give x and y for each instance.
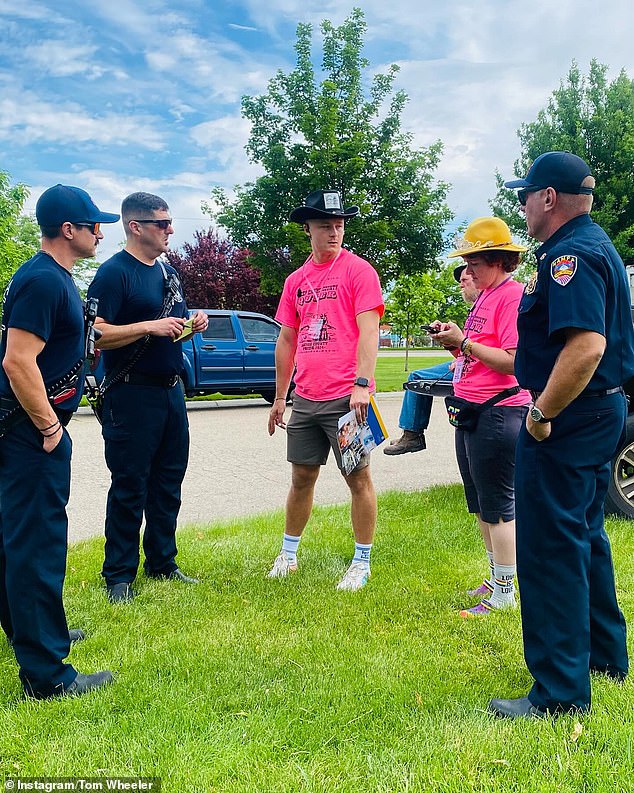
(416, 412)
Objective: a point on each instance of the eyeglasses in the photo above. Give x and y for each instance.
(522, 194)
(94, 227)
(162, 224)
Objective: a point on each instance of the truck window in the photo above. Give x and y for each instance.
(256, 329)
(219, 328)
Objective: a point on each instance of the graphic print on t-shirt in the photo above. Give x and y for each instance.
(316, 331)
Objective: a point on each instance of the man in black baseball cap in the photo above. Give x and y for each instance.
(561, 170)
(41, 382)
(574, 353)
(64, 203)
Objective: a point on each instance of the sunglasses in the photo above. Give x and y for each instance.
(94, 227)
(162, 224)
(522, 194)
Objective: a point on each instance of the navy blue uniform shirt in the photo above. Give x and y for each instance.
(42, 298)
(130, 291)
(581, 283)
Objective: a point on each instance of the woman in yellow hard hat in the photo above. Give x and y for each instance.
(485, 353)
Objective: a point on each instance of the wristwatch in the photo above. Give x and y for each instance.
(362, 381)
(537, 416)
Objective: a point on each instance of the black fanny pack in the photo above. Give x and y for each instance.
(464, 415)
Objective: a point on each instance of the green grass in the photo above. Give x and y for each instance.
(390, 370)
(246, 684)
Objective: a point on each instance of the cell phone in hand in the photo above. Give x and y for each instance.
(430, 329)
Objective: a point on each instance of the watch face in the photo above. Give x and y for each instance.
(362, 381)
(536, 414)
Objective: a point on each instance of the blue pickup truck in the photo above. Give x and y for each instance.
(235, 355)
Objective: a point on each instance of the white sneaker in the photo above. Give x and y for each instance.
(282, 566)
(356, 577)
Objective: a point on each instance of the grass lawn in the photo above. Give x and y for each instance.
(246, 684)
(390, 373)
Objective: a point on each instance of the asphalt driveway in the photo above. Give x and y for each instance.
(236, 469)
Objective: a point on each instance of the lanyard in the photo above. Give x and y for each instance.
(479, 303)
(310, 286)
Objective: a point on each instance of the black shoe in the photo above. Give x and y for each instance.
(82, 684)
(516, 709)
(615, 675)
(75, 635)
(120, 593)
(179, 575)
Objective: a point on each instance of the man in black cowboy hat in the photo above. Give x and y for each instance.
(329, 311)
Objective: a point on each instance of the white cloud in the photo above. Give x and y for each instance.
(35, 121)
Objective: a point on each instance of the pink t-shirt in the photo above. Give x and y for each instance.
(321, 302)
(491, 321)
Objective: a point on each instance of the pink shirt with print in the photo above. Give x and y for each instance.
(321, 302)
(492, 321)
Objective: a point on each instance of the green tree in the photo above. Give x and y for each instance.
(594, 119)
(19, 237)
(413, 300)
(336, 134)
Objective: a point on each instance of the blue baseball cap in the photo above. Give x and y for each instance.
(561, 170)
(64, 204)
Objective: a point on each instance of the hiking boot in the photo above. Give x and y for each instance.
(355, 578)
(282, 566)
(409, 441)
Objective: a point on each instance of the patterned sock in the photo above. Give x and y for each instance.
(289, 544)
(503, 586)
(362, 553)
(491, 566)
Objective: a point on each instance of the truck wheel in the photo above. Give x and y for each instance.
(620, 497)
(269, 396)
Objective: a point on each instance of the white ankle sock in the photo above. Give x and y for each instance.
(503, 586)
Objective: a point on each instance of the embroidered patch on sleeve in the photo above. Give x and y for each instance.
(562, 269)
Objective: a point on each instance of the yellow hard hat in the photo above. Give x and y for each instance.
(485, 234)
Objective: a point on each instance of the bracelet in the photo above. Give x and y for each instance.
(50, 426)
(50, 434)
(465, 347)
(277, 399)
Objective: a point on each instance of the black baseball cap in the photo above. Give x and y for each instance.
(65, 204)
(457, 271)
(561, 170)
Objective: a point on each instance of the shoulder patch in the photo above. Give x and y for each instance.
(563, 269)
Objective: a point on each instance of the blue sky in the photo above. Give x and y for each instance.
(121, 96)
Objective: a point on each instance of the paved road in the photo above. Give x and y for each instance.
(236, 469)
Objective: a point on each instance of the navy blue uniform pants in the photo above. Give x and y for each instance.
(34, 491)
(570, 618)
(146, 437)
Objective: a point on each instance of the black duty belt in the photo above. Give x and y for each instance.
(588, 393)
(162, 381)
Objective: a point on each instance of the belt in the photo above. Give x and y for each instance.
(587, 394)
(160, 380)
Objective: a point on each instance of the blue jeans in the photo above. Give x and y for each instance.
(416, 408)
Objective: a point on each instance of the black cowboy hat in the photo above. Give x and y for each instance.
(322, 204)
